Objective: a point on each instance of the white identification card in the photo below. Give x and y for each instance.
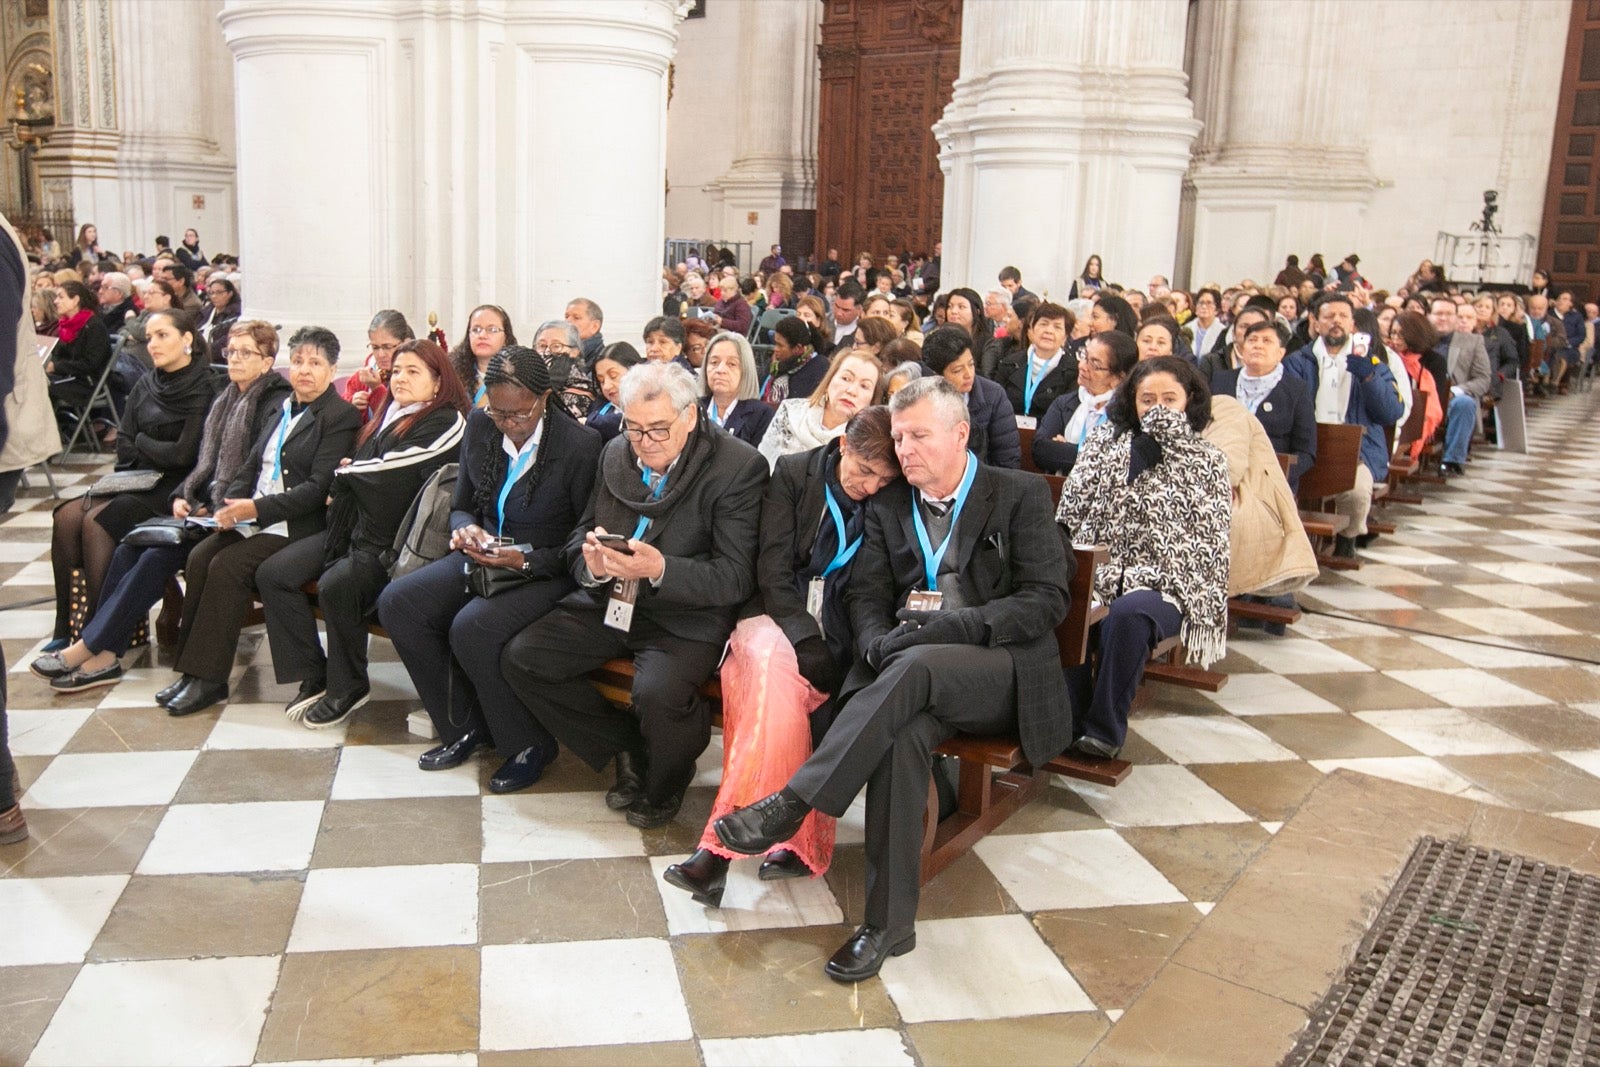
(1027, 422)
(814, 599)
(619, 609)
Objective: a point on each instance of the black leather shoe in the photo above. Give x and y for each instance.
(770, 821)
(1344, 547)
(860, 957)
(332, 710)
(164, 696)
(781, 863)
(703, 876)
(198, 695)
(1093, 748)
(454, 754)
(648, 814)
(311, 690)
(630, 782)
(1452, 468)
(522, 770)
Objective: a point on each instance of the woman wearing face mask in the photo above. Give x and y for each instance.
(418, 431)
(729, 381)
(1107, 359)
(160, 431)
(365, 389)
(994, 438)
(614, 361)
(488, 331)
(1150, 489)
(281, 492)
(789, 655)
(138, 575)
(854, 382)
(796, 369)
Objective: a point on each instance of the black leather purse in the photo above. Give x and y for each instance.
(492, 581)
(163, 530)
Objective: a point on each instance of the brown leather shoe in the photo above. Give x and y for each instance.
(13, 827)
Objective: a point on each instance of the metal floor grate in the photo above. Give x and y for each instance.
(1477, 957)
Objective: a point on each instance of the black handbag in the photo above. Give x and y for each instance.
(165, 530)
(492, 581)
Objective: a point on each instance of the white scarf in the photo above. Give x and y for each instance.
(1089, 407)
(1333, 389)
(1252, 391)
(797, 427)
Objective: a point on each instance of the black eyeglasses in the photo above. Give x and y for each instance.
(655, 433)
(510, 416)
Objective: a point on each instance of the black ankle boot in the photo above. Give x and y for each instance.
(703, 876)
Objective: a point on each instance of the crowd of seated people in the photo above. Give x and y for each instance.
(839, 530)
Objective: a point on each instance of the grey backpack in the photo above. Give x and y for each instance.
(424, 533)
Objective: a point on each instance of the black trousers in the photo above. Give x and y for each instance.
(884, 737)
(1101, 696)
(219, 588)
(451, 641)
(546, 663)
(347, 590)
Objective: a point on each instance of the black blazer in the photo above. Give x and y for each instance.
(546, 501)
(1063, 378)
(1287, 414)
(791, 514)
(1015, 571)
(311, 453)
(708, 539)
(749, 419)
(994, 425)
(1050, 455)
(86, 355)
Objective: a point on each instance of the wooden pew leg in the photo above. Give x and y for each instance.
(985, 800)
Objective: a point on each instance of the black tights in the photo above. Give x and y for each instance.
(78, 542)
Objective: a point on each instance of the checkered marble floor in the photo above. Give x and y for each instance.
(231, 888)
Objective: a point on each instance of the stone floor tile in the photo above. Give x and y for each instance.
(1034, 1039)
(1114, 952)
(261, 774)
(1076, 869)
(72, 841)
(1201, 861)
(567, 993)
(1189, 1018)
(377, 833)
(29, 996)
(193, 915)
(569, 900)
(966, 887)
(867, 1048)
(1536, 781)
(1337, 736)
(224, 838)
(387, 907)
(985, 967)
(1264, 791)
(1366, 692)
(54, 920)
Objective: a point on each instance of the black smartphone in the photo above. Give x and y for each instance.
(616, 541)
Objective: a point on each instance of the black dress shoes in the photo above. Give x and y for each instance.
(1452, 468)
(522, 770)
(782, 863)
(861, 957)
(648, 814)
(630, 781)
(703, 876)
(770, 821)
(332, 710)
(197, 695)
(1094, 748)
(443, 757)
(164, 696)
(1344, 547)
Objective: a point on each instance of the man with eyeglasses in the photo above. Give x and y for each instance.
(666, 555)
(116, 301)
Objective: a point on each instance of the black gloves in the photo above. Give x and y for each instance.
(817, 665)
(963, 626)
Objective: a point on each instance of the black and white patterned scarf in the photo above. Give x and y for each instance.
(1158, 499)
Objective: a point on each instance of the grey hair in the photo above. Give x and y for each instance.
(940, 392)
(749, 376)
(1080, 308)
(392, 323)
(123, 283)
(1003, 296)
(574, 342)
(908, 370)
(647, 381)
(590, 308)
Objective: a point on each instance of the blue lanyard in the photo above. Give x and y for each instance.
(655, 494)
(477, 398)
(283, 433)
(1092, 423)
(513, 472)
(845, 553)
(602, 411)
(1032, 383)
(765, 385)
(930, 557)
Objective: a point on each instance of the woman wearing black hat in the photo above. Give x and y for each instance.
(526, 471)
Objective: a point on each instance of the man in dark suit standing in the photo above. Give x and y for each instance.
(961, 581)
(666, 553)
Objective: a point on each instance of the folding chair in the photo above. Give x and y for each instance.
(100, 396)
(762, 326)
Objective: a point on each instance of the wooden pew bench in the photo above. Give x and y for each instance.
(1334, 472)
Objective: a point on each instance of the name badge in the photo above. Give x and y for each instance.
(1027, 422)
(814, 599)
(619, 609)
(924, 600)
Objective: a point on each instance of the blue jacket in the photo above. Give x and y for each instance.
(1374, 402)
(994, 438)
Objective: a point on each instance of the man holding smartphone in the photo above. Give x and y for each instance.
(665, 553)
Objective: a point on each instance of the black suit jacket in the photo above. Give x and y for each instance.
(1287, 414)
(749, 420)
(1050, 455)
(1015, 571)
(311, 453)
(791, 514)
(1063, 378)
(708, 539)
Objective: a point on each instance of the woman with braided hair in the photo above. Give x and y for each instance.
(527, 468)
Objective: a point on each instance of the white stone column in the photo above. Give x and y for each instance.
(775, 154)
(433, 157)
(1283, 163)
(78, 165)
(1068, 134)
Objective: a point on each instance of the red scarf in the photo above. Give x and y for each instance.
(68, 328)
